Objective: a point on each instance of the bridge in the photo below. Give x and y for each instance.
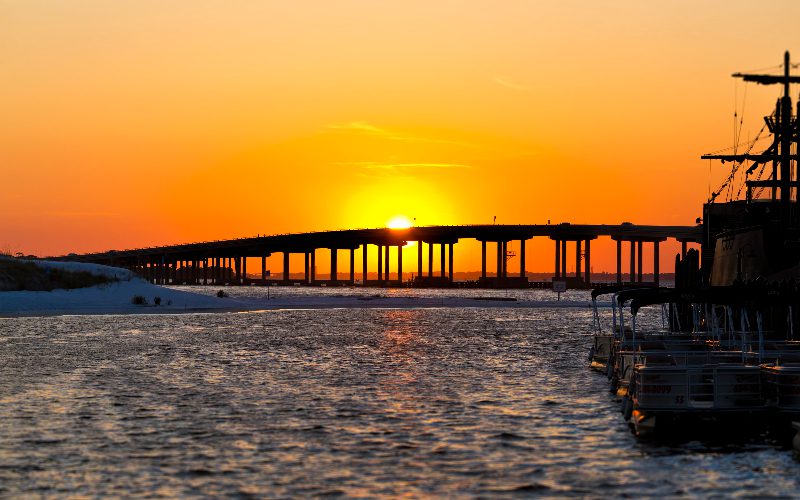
(225, 261)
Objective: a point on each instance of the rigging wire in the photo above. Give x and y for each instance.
(728, 182)
(741, 117)
(776, 67)
(729, 148)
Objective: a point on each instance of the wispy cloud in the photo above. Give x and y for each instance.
(373, 165)
(81, 214)
(510, 83)
(363, 127)
(359, 127)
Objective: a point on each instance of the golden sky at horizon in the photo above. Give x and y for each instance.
(129, 124)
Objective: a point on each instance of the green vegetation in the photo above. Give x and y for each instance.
(16, 274)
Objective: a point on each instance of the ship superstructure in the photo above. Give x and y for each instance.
(758, 237)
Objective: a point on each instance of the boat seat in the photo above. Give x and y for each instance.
(651, 345)
(659, 360)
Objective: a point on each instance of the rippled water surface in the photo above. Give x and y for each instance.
(359, 402)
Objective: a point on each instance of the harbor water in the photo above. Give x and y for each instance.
(361, 402)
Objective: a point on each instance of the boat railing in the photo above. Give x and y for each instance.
(781, 384)
(696, 388)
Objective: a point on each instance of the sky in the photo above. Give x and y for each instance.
(138, 123)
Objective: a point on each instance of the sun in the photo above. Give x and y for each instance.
(399, 222)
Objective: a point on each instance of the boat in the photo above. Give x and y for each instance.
(728, 347)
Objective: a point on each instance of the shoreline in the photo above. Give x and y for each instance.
(296, 303)
(131, 295)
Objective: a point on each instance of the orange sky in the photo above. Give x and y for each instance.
(136, 123)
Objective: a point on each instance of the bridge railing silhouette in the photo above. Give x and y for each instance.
(225, 261)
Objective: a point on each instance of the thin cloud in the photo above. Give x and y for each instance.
(63, 213)
(369, 129)
(509, 83)
(371, 165)
(358, 127)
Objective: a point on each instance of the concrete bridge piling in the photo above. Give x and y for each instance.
(225, 262)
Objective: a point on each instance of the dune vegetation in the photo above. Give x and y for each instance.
(19, 274)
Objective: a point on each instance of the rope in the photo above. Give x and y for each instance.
(727, 183)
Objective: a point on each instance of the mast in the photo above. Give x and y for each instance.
(785, 128)
(786, 145)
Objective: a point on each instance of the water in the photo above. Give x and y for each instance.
(357, 402)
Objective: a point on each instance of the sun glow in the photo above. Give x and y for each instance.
(399, 222)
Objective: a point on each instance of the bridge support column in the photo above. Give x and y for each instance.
(244, 269)
(442, 258)
(587, 266)
(386, 258)
(286, 267)
(419, 259)
(499, 262)
(656, 274)
(430, 259)
(334, 265)
(619, 261)
(306, 267)
(563, 259)
(380, 263)
(450, 262)
(483, 259)
(352, 266)
(578, 260)
(313, 265)
(683, 249)
(364, 264)
(400, 263)
(639, 245)
(505, 260)
(205, 270)
(558, 260)
(522, 258)
(633, 261)
(263, 268)
(237, 266)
